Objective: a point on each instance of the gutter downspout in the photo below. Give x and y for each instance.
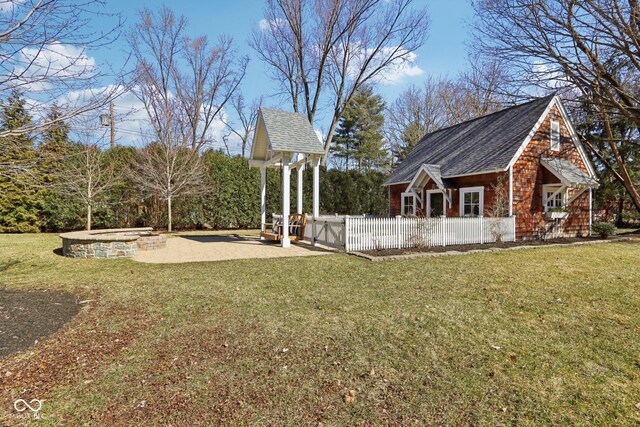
(590, 210)
(511, 191)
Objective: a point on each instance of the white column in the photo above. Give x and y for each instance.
(263, 197)
(316, 187)
(300, 183)
(285, 242)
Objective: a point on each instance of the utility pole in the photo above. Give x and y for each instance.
(110, 120)
(113, 125)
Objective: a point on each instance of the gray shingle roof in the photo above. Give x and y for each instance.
(570, 172)
(290, 132)
(484, 144)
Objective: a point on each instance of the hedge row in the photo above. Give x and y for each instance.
(232, 202)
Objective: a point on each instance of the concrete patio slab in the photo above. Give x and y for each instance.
(211, 246)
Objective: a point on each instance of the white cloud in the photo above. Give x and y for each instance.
(400, 69)
(551, 75)
(266, 24)
(7, 6)
(404, 66)
(53, 61)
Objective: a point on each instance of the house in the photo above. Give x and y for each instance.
(527, 159)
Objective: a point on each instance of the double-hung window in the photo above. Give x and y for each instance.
(553, 197)
(408, 204)
(554, 135)
(471, 201)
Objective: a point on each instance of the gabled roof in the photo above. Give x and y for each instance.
(283, 131)
(568, 173)
(482, 145)
(433, 172)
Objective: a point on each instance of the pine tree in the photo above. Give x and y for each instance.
(358, 139)
(345, 139)
(20, 199)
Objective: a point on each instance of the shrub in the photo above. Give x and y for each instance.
(603, 229)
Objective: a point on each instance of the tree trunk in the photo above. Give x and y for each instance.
(622, 167)
(89, 216)
(619, 218)
(169, 212)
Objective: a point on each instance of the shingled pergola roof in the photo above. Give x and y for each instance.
(283, 131)
(485, 144)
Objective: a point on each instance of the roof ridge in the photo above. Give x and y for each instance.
(489, 115)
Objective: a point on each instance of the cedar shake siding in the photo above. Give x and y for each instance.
(529, 177)
(395, 192)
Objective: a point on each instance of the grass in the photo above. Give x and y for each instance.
(535, 337)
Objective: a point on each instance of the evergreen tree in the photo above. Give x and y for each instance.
(60, 211)
(55, 138)
(358, 140)
(20, 197)
(345, 141)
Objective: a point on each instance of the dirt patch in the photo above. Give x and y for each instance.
(467, 248)
(27, 317)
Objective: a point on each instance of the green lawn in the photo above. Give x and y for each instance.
(535, 337)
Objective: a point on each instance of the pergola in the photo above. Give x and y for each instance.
(285, 140)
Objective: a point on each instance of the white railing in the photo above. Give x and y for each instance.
(363, 234)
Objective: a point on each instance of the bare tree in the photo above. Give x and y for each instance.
(85, 173)
(168, 171)
(182, 106)
(246, 119)
(323, 52)
(439, 103)
(194, 99)
(499, 207)
(44, 48)
(591, 46)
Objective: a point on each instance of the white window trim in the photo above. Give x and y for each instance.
(444, 202)
(465, 190)
(563, 190)
(407, 194)
(554, 145)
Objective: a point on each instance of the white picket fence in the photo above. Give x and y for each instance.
(363, 234)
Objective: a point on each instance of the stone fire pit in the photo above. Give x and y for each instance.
(110, 243)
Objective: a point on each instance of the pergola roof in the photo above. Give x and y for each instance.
(282, 131)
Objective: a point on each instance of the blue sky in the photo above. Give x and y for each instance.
(443, 54)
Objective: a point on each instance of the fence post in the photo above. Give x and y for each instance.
(481, 230)
(397, 231)
(514, 227)
(313, 231)
(347, 247)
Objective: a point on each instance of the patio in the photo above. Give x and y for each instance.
(213, 246)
